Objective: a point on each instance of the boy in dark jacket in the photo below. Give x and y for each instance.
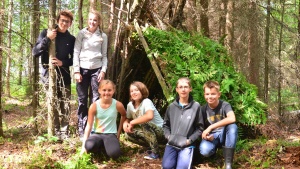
(64, 45)
(183, 125)
(220, 127)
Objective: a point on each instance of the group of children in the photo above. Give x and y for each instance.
(185, 122)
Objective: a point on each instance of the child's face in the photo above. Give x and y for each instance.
(183, 89)
(212, 96)
(106, 91)
(93, 21)
(135, 93)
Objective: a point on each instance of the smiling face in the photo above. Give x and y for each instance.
(93, 22)
(106, 90)
(64, 23)
(212, 96)
(183, 88)
(135, 93)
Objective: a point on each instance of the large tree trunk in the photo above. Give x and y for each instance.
(52, 75)
(253, 57)
(177, 19)
(34, 30)
(203, 18)
(267, 53)
(8, 60)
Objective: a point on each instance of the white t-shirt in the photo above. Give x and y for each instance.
(145, 105)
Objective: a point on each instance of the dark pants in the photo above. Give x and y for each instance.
(109, 142)
(89, 79)
(62, 111)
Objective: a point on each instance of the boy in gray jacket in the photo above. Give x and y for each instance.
(183, 125)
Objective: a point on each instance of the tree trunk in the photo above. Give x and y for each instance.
(222, 20)
(8, 60)
(52, 75)
(1, 56)
(34, 30)
(253, 57)
(110, 58)
(267, 53)
(80, 17)
(279, 59)
(177, 19)
(297, 55)
(229, 25)
(203, 18)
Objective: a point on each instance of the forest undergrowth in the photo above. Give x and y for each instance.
(275, 146)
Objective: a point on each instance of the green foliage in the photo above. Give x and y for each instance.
(80, 162)
(44, 138)
(184, 55)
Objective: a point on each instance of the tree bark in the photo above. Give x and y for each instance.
(52, 75)
(267, 53)
(35, 24)
(203, 18)
(1, 56)
(229, 25)
(8, 60)
(279, 59)
(177, 19)
(80, 17)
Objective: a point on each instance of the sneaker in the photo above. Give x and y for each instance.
(151, 156)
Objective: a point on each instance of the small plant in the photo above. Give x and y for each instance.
(44, 138)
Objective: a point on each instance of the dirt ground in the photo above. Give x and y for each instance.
(15, 149)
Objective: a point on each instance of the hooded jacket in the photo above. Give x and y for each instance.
(183, 123)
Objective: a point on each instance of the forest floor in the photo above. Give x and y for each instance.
(19, 147)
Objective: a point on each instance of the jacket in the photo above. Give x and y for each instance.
(184, 123)
(64, 45)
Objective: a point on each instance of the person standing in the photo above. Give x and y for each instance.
(143, 125)
(102, 121)
(64, 45)
(220, 127)
(90, 64)
(183, 125)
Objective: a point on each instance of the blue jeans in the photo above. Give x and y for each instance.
(177, 158)
(227, 137)
(89, 80)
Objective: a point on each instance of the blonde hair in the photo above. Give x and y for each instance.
(211, 84)
(105, 82)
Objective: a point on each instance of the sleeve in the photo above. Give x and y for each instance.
(104, 53)
(227, 108)
(167, 124)
(148, 105)
(41, 45)
(198, 124)
(128, 114)
(77, 50)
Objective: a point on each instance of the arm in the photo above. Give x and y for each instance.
(167, 124)
(104, 57)
(76, 61)
(41, 44)
(198, 125)
(229, 119)
(122, 111)
(89, 125)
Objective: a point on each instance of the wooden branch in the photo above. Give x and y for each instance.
(158, 74)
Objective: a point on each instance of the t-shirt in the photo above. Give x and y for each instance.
(145, 105)
(106, 119)
(218, 113)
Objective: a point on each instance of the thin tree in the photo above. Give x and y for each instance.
(80, 17)
(8, 59)
(229, 29)
(34, 30)
(279, 59)
(1, 56)
(52, 75)
(267, 52)
(203, 18)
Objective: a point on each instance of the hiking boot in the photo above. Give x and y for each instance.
(151, 156)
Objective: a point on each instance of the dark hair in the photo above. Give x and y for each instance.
(142, 88)
(66, 13)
